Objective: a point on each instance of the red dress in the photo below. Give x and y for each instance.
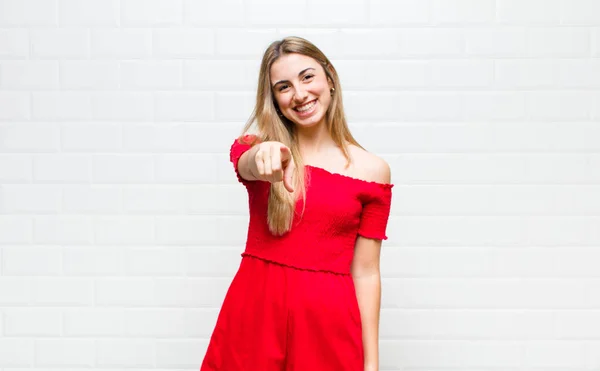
(292, 303)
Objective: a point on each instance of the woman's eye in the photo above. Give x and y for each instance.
(283, 87)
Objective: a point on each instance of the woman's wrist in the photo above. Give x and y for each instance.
(252, 164)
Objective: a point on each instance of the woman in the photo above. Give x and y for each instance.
(306, 296)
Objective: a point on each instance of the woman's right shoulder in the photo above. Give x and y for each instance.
(249, 139)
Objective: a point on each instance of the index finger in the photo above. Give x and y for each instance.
(288, 175)
(276, 158)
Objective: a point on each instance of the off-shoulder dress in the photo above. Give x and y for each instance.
(292, 303)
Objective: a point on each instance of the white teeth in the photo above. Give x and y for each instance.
(307, 107)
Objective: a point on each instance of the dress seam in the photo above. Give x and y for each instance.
(251, 255)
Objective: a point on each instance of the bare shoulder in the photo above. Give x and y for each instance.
(369, 166)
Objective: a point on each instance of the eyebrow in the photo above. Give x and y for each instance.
(299, 74)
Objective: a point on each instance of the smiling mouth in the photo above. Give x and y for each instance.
(308, 104)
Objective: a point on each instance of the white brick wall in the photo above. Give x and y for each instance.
(121, 222)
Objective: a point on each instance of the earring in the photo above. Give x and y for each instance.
(332, 90)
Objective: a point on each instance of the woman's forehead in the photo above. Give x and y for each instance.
(287, 66)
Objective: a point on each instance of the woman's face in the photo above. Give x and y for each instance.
(300, 88)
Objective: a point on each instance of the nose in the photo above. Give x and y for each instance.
(300, 95)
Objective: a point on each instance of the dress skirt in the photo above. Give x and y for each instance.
(280, 318)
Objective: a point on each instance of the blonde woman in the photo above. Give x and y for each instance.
(307, 293)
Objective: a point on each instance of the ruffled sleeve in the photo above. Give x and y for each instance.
(376, 211)
(239, 146)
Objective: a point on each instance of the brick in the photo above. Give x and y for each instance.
(89, 75)
(566, 105)
(327, 40)
(368, 43)
(495, 106)
(201, 74)
(430, 42)
(28, 13)
(89, 13)
(154, 261)
(184, 43)
(125, 352)
(124, 292)
(527, 12)
(92, 261)
(155, 323)
(415, 106)
(120, 230)
(216, 199)
(90, 137)
(67, 168)
(576, 325)
(93, 322)
(234, 106)
(62, 291)
(14, 291)
(399, 12)
(201, 321)
(185, 168)
(213, 13)
(31, 199)
(463, 11)
(145, 75)
(184, 106)
(581, 12)
(153, 137)
(151, 13)
(497, 42)
(451, 353)
(559, 42)
(91, 199)
(15, 168)
(122, 43)
(159, 199)
(122, 168)
(460, 74)
(461, 324)
(15, 105)
(17, 137)
(61, 105)
(60, 43)
(548, 73)
(65, 352)
(596, 42)
(554, 353)
(179, 353)
(62, 229)
(331, 13)
(260, 12)
(180, 230)
(122, 106)
(29, 75)
(33, 322)
(212, 261)
(17, 352)
(14, 43)
(178, 291)
(246, 43)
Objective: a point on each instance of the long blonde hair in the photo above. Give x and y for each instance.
(272, 127)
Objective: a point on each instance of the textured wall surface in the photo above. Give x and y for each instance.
(121, 222)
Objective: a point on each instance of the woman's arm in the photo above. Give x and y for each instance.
(367, 283)
(365, 264)
(267, 161)
(246, 167)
